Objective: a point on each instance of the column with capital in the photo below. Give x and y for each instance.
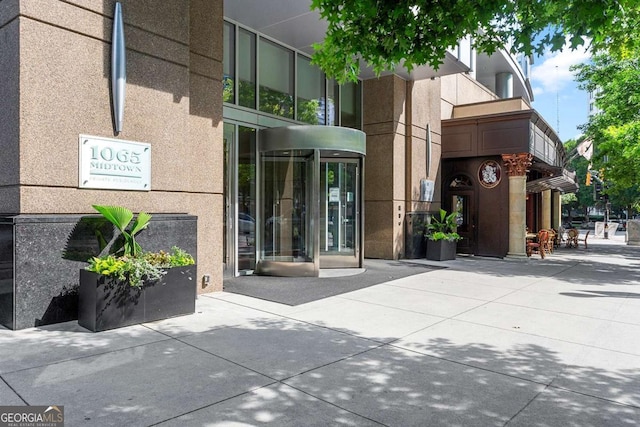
(517, 166)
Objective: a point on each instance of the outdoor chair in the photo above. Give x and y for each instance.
(572, 237)
(539, 245)
(550, 242)
(583, 239)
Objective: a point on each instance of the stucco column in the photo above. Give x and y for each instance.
(556, 214)
(546, 209)
(516, 165)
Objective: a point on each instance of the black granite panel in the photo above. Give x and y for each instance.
(6, 274)
(166, 231)
(51, 249)
(415, 243)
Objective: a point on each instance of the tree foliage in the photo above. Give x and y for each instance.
(386, 33)
(615, 128)
(583, 198)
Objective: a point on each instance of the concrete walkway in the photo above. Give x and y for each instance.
(485, 342)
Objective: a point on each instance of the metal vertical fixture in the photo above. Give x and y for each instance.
(118, 68)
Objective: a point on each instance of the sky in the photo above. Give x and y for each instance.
(556, 94)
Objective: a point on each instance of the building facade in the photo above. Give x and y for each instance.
(258, 164)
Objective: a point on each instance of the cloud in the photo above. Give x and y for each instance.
(550, 73)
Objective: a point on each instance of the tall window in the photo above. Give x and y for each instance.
(311, 99)
(229, 64)
(276, 79)
(350, 105)
(247, 69)
(333, 100)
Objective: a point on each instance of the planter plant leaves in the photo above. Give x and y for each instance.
(442, 237)
(128, 285)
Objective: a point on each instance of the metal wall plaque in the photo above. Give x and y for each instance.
(427, 188)
(114, 164)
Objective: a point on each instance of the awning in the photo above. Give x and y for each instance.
(564, 182)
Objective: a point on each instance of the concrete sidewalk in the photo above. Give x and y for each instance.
(484, 342)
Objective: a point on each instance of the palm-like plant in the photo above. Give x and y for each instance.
(121, 217)
(443, 227)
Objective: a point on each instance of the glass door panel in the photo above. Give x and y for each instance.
(462, 204)
(246, 199)
(287, 180)
(239, 253)
(228, 240)
(338, 213)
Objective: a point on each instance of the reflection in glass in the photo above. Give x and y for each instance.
(350, 105)
(310, 92)
(276, 79)
(286, 232)
(460, 181)
(461, 208)
(228, 63)
(338, 207)
(228, 143)
(246, 228)
(247, 69)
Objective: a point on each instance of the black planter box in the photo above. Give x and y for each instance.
(441, 250)
(108, 303)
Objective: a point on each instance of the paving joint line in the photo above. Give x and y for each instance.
(13, 390)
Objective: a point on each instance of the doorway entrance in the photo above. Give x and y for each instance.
(339, 213)
(309, 199)
(460, 197)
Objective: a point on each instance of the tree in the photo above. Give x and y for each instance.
(386, 33)
(583, 198)
(615, 128)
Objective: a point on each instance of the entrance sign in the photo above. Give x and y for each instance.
(334, 194)
(116, 164)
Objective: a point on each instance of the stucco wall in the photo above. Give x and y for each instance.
(174, 70)
(458, 89)
(396, 115)
(384, 111)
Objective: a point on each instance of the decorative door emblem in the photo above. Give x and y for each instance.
(489, 174)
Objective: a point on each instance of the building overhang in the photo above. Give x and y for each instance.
(294, 24)
(497, 132)
(562, 180)
(488, 66)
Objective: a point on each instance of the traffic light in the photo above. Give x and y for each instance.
(588, 181)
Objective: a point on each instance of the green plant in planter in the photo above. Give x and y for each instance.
(443, 227)
(130, 262)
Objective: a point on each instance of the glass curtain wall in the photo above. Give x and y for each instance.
(267, 84)
(278, 82)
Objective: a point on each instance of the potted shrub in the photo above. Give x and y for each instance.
(442, 237)
(127, 285)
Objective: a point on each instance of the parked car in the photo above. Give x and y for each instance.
(246, 223)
